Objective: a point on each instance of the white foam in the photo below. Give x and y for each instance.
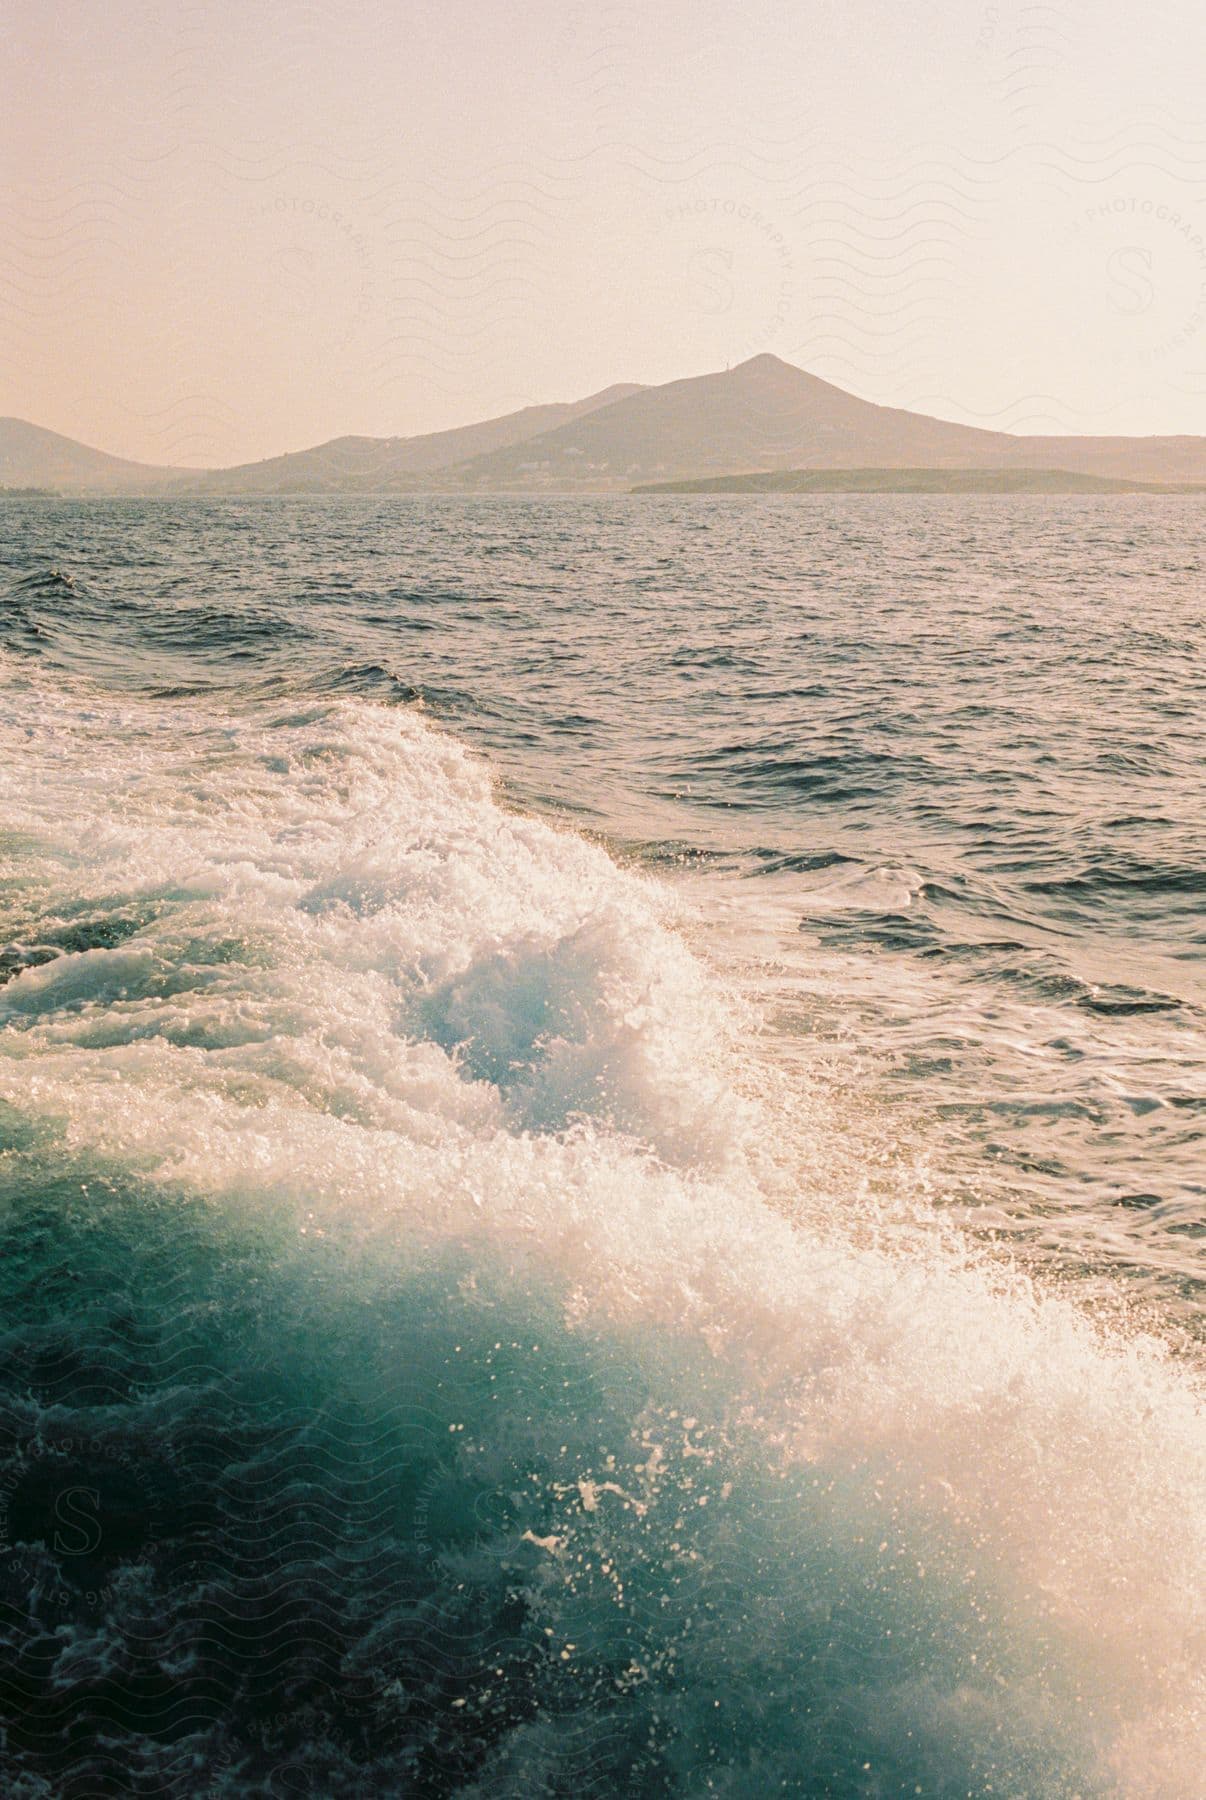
(369, 997)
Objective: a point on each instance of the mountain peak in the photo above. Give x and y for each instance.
(764, 364)
(767, 370)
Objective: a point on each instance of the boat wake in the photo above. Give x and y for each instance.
(425, 1371)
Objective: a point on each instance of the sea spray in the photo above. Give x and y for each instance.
(394, 1258)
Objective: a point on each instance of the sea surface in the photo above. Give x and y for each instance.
(602, 1148)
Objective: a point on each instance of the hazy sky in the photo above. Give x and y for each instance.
(232, 227)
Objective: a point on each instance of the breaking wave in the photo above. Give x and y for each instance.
(431, 1368)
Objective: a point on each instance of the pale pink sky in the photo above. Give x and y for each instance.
(232, 229)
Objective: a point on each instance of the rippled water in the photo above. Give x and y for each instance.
(660, 1255)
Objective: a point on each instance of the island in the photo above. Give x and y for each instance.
(915, 481)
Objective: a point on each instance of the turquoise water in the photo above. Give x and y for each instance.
(602, 1168)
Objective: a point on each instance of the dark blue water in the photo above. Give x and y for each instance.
(602, 1109)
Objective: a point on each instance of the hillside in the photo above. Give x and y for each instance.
(349, 465)
(32, 457)
(764, 414)
(768, 415)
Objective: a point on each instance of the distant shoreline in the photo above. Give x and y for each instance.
(784, 484)
(762, 427)
(915, 481)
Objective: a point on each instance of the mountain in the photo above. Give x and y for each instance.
(767, 415)
(913, 481)
(350, 465)
(764, 416)
(33, 457)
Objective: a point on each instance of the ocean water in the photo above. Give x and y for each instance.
(601, 1148)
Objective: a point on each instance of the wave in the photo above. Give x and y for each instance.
(409, 1253)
